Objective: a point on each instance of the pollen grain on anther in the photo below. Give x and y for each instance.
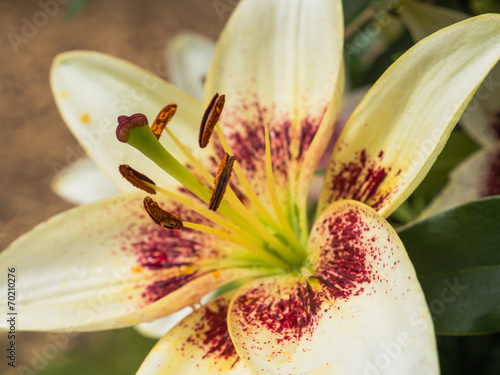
(163, 119)
(221, 181)
(136, 178)
(161, 217)
(210, 119)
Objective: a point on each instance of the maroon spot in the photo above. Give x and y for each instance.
(343, 265)
(168, 253)
(160, 288)
(211, 334)
(243, 126)
(360, 180)
(493, 181)
(289, 312)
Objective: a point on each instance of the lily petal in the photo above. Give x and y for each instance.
(158, 328)
(92, 89)
(423, 19)
(83, 183)
(125, 271)
(396, 133)
(476, 177)
(481, 119)
(188, 57)
(200, 344)
(273, 67)
(361, 310)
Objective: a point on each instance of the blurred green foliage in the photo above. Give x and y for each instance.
(118, 352)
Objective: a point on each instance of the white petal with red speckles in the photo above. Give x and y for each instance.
(83, 182)
(200, 344)
(279, 63)
(107, 265)
(357, 308)
(92, 89)
(476, 177)
(396, 133)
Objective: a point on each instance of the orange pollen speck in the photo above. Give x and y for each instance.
(85, 118)
(136, 178)
(163, 119)
(136, 269)
(216, 274)
(160, 216)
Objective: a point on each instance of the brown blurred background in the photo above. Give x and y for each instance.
(33, 136)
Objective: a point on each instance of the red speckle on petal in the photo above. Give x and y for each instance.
(166, 256)
(360, 180)
(343, 265)
(243, 126)
(211, 334)
(288, 310)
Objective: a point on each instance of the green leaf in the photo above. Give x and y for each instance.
(457, 258)
(353, 8)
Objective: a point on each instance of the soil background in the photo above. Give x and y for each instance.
(33, 135)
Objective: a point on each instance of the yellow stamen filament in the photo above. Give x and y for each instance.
(285, 226)
(242, 242)
(160, 216)
(252, 224)
(203, 211)
(199, 168)
(163, 119)
(245, 184)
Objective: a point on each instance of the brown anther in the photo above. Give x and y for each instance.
(136, 178)
(163, 119)
(221, 181)
(160, 216)
(210, 119)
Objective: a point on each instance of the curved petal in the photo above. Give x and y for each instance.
(423, 19)
(358, 310)
(92, 89)
(481, 119)
(279, 63)
(200, 344)
(476, 177)
(396, 133)
(107, 265)
(83, 182)
(158, 328)
(188, 57)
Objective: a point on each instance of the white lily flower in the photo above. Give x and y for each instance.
(336, 298)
